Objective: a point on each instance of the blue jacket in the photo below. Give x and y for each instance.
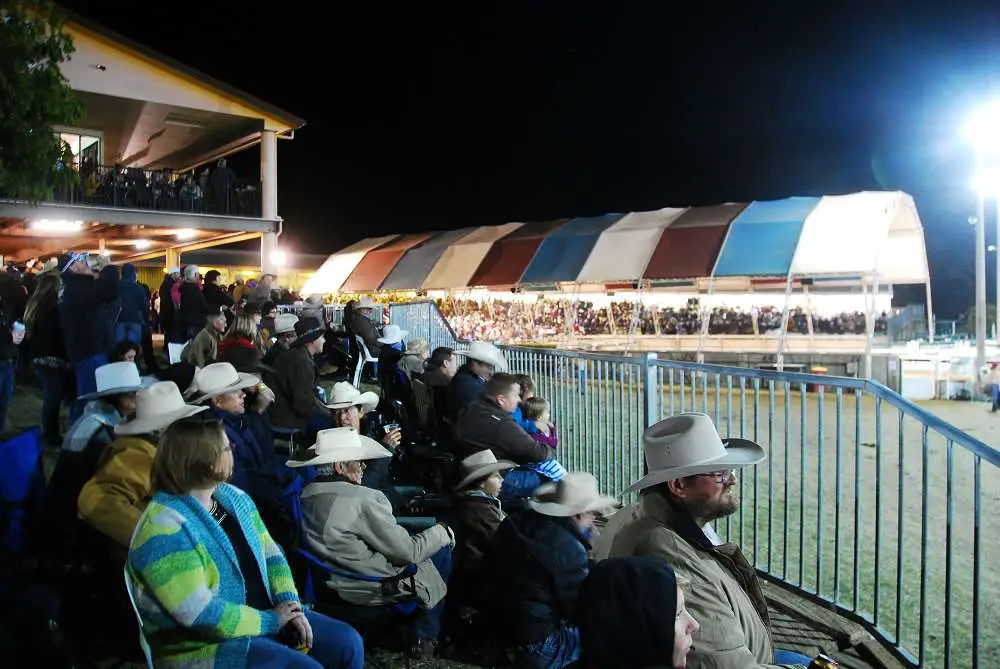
(134, 296)
(88, 311)
(465, 387)
(526, 425)
(255, 469)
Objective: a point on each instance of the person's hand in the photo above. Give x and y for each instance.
(543, 427)
(302, 626)
(288, 611)
(451, 534)
(265, 397)
(392, 439)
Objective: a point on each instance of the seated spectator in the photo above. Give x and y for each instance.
(527, 392)
(284, 336)
(358, 322)
(487, 423)
(116, 495)
(124, 351)
(440, 367)
(239, 346)
(535, 410)
(203, 349)
(296, 404)
(255, 470)
(632, 614)
(482, 360)
(236, 604)
(538, 561)
(478, 514)
(352, 527)
(268, 313)
(692, 472)
(412, 362)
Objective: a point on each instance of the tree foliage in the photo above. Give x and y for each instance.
(34, 97)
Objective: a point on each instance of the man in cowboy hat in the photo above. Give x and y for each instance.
(538, 561)
(352, 526)
(691, 482)
(204, 348)
(284, 336)
(482, 360)
(116, 495)
(358, 321)
(296, 404)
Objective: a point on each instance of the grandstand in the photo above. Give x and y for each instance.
(794, 257)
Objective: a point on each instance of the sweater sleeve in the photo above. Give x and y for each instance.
(279, 574)
(175, 569)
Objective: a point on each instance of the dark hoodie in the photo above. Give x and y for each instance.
(134, 296)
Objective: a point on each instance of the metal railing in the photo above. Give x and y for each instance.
(867, 502)
(156, 190)
(334, 313)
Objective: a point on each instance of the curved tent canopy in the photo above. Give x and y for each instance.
(507, 259)
(622, 252)
(416, 263)
(335, 270)
(376, 265)
(863, 234)
(763, 238)
(689, 246)
(563, 253)
(460, 260)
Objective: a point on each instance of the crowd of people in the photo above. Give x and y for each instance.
(515, 320)
(176, 479)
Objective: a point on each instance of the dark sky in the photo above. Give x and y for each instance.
(437, 115)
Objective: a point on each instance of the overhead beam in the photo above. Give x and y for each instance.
(193, 246)
(120, 216)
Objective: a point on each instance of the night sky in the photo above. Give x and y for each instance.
(432, 116)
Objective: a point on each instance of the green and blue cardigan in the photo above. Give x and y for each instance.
(188, 586)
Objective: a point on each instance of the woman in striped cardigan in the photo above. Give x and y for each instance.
(213, 589)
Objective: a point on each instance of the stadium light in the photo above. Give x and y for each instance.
(55, 225)
(279, 258)
(185, 234)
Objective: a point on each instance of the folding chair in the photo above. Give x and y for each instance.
(146, 650)
(174, 351)
(365, 357)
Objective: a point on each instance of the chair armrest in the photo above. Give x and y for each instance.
(315, 561)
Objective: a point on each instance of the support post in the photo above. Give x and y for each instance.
(870, 327)
(651, 389)
(930, 316)
(706, 318)
(780, 360)
(269, 174)
(980, 287)
(268, 245)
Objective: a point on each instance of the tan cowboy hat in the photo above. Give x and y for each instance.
(116, 378)
(393, 334)
(220, 378)
(157, 407)
(487, 353)
(285, 323)
(345, 395)
(341, 444)
(480, 465)
(576, 492)
(688, 444)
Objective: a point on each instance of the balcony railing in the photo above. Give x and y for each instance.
(220, 194)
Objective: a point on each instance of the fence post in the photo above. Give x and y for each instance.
(650, 390)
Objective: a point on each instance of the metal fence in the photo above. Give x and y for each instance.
(334, 313)
(867, 502)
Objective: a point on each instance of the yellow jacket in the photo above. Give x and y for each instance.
(114, 498)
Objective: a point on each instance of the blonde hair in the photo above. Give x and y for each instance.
(187, 457)
(243, 325)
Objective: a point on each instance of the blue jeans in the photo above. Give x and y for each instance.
(6, 390)
(428, 626)
(336, 645)
(54, 384)
(520, 483)
(791, 657)
(130, 331)
(559, 649)
(995, 396)
(85, 382)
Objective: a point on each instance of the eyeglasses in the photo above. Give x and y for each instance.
(722, 476)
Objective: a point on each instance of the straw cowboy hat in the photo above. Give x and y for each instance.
(115, 378)
(345, 395)
(393, 334)
(575, 493)
(480, 465)
(220, 378)
(488, 354)
(156, 407)
(285, 323)
(688, 444)
(341, 444)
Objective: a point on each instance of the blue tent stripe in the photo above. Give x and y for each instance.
(762, 239)
(563, 253)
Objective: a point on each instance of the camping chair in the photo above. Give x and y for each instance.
(366, 619)
(143, 643)
(365, 357)
(174, 351)
(22, 491)
(292, 437)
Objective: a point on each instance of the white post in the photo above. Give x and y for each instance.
(268, 245)
(784, 323)
(269, 174)
(980, 287)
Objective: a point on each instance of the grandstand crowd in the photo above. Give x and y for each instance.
(251, 506)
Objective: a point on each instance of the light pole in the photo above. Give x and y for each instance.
(980, 283)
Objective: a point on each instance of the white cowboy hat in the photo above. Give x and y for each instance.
(285, 323)
(480, 465)
(173, 270)
(341, 444)
(220, 378)
(487, 353)
(156, 407)
(393, 334)
(116, 378)
(345, 395)
(575, 493)
(688, 444)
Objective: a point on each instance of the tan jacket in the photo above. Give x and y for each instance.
(114, 498)
(734, 622)
(353, 528)
(203, 349)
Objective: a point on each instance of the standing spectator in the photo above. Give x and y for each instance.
(193, 304)
(214, 293)
(168, 318)
(11, 336)
(47, 351)
(134, 303)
